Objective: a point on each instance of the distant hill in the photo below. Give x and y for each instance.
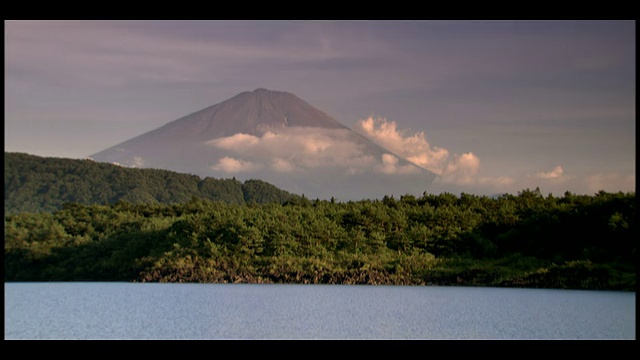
(277, 137)
(39, 184)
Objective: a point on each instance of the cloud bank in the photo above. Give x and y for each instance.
(231, 165)
(457, 169)
(292, 150)
(302, 148)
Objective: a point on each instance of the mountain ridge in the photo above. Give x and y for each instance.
(44, 184)
(245, 118)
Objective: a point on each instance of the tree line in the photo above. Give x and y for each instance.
(39, 184)
(523, 240)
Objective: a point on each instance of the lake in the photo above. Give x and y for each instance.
(327, 312)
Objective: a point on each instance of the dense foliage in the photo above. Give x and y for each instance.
(34, 184)
(527, 240)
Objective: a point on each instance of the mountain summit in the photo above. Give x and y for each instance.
(250, 112)
(276, 137)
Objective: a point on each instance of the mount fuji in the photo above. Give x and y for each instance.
(279, 138)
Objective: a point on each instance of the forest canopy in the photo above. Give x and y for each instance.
(523, 240)
(38, 184)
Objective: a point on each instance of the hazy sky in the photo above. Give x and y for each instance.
(508, 105)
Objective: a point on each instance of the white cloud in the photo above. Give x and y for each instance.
(462, 169)
(231, 165)
(282, 165)
(458, 169)
(556, 173)
(138, 162)
(414, 148)
(235, 141)
(301, 148)
(390, 166)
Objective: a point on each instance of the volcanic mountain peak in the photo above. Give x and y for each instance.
(250, 112)
(278, 109)
(277, 137)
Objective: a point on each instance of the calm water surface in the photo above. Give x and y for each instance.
(250, 311)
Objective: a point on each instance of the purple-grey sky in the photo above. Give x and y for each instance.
(492, 106)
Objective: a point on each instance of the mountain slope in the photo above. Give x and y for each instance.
(276, 137)
(35, 184)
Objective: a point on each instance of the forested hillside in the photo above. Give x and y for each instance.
(35, 184)
(528, 240)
